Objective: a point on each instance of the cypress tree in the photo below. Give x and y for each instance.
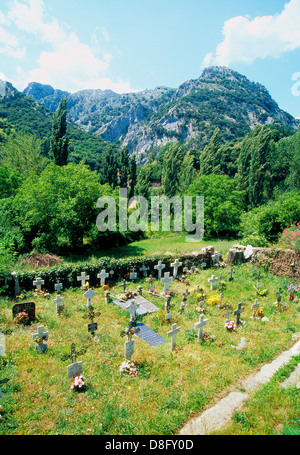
(59, 140)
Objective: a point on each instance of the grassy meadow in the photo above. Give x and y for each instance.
(171, 386)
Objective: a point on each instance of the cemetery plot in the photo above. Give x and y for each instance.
(178, 367)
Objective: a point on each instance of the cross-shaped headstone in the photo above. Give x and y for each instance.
(41, 335)
(232, 271)
(255, 270)
(185, 294)
(166, 280)
(73, 353)
(151, 280)
(129, 349)
(132, 307)
(124, 285)
(173, 334)
(238, 312)
(175, 265)
(89, 294)
(213, 281)
(279, 295)
(83, 278)
(58, 301)
(159, 267)
(102, 276)
(38, 282)
(228, 312)
(216, 257)
(254, 307)
(199, 325)
(92, 326)
(144, 270)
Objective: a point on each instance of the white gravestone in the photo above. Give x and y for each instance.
(175, 265)
(199, 326)
(213, 282)
(38, 282)
(129, 349)
(83, 278)
(89, 294)
(173, 333)
(102, 276)
(166, 280)
(58, 301)
(159, 267)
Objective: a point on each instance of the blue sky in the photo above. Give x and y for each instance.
(132, 45)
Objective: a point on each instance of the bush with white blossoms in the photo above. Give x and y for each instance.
(78, 382)
(129, 367)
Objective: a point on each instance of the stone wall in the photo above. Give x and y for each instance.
(278, 261)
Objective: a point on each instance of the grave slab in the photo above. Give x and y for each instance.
(149, 336)
(145, 305)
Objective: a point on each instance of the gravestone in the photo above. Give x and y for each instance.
(173, 334)
(17, 284)
(38, 282)
(133, 275)
(92, 326)
(124, 285)
(2, 344)
(41, 335)
(89, 294)
(58, 300)
(175, 265)
(159, 267)
(144, 270)
(74, 369)
(213, 282)
(166, 280)
(145, 306)
(149, 336)
(58, 287)
(151, 281)
(232, 271)
(199, 326)
(102, 276)
(27, 307)
(254, 307)
(132, 307)
(83, 278)
(129, 349)
(238, 312)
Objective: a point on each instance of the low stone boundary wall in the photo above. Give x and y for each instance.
(278, 261)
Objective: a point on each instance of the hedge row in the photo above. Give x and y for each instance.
(67, 274)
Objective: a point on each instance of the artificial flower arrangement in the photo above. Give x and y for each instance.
(78, 382)
(201, 309)
(229, 325)
(105, 287)
(127, 295)
(207, 337)
(22, 318)
(129, 367)
(214, 300)
(86, 285)
(40, 293)
(259, 313)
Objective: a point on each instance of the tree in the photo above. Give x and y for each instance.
(172, 162)
(187, 173)
(144, 182)
(123, 168)
(22, 152)
(109, 169)
(59, 139)
(132, 175)
(209, 162)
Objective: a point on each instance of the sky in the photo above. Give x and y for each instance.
(133, 45)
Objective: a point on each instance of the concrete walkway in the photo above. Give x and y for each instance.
(220, 414)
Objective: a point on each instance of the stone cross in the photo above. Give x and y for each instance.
(151, 280)
(167, 303)
(89, 294)
(92, 326)
(102, 276)
(38, 283)
(17, 284)
(41, 347)
(166, 280)
(83, 278)
(254, 307)
(254, 271)
(203, 265)
(175, 265)
(228, 312)
(58, 301)
(213, 281)
(216, 258)
(132, 308)
(124, 285)
(279, 295)
(159, 267)
(144, 270)
(199, 325)
(237, 313)
(111, 272)
(173, 334)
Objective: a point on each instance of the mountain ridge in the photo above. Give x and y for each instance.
(146, 120)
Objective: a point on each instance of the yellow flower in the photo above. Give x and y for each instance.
(214, 300)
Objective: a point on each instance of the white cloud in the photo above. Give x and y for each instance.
(67, 63)
(245, 40)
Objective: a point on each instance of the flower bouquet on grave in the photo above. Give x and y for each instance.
(41, 293)
(105, 287)
(201, 309)
(229, 325)
(207, 337)
(171, 293)
(77, 383)
(214, 300)
(22, 318)
(129, 367)
(259, 313)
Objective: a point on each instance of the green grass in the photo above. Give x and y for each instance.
(170, 388)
